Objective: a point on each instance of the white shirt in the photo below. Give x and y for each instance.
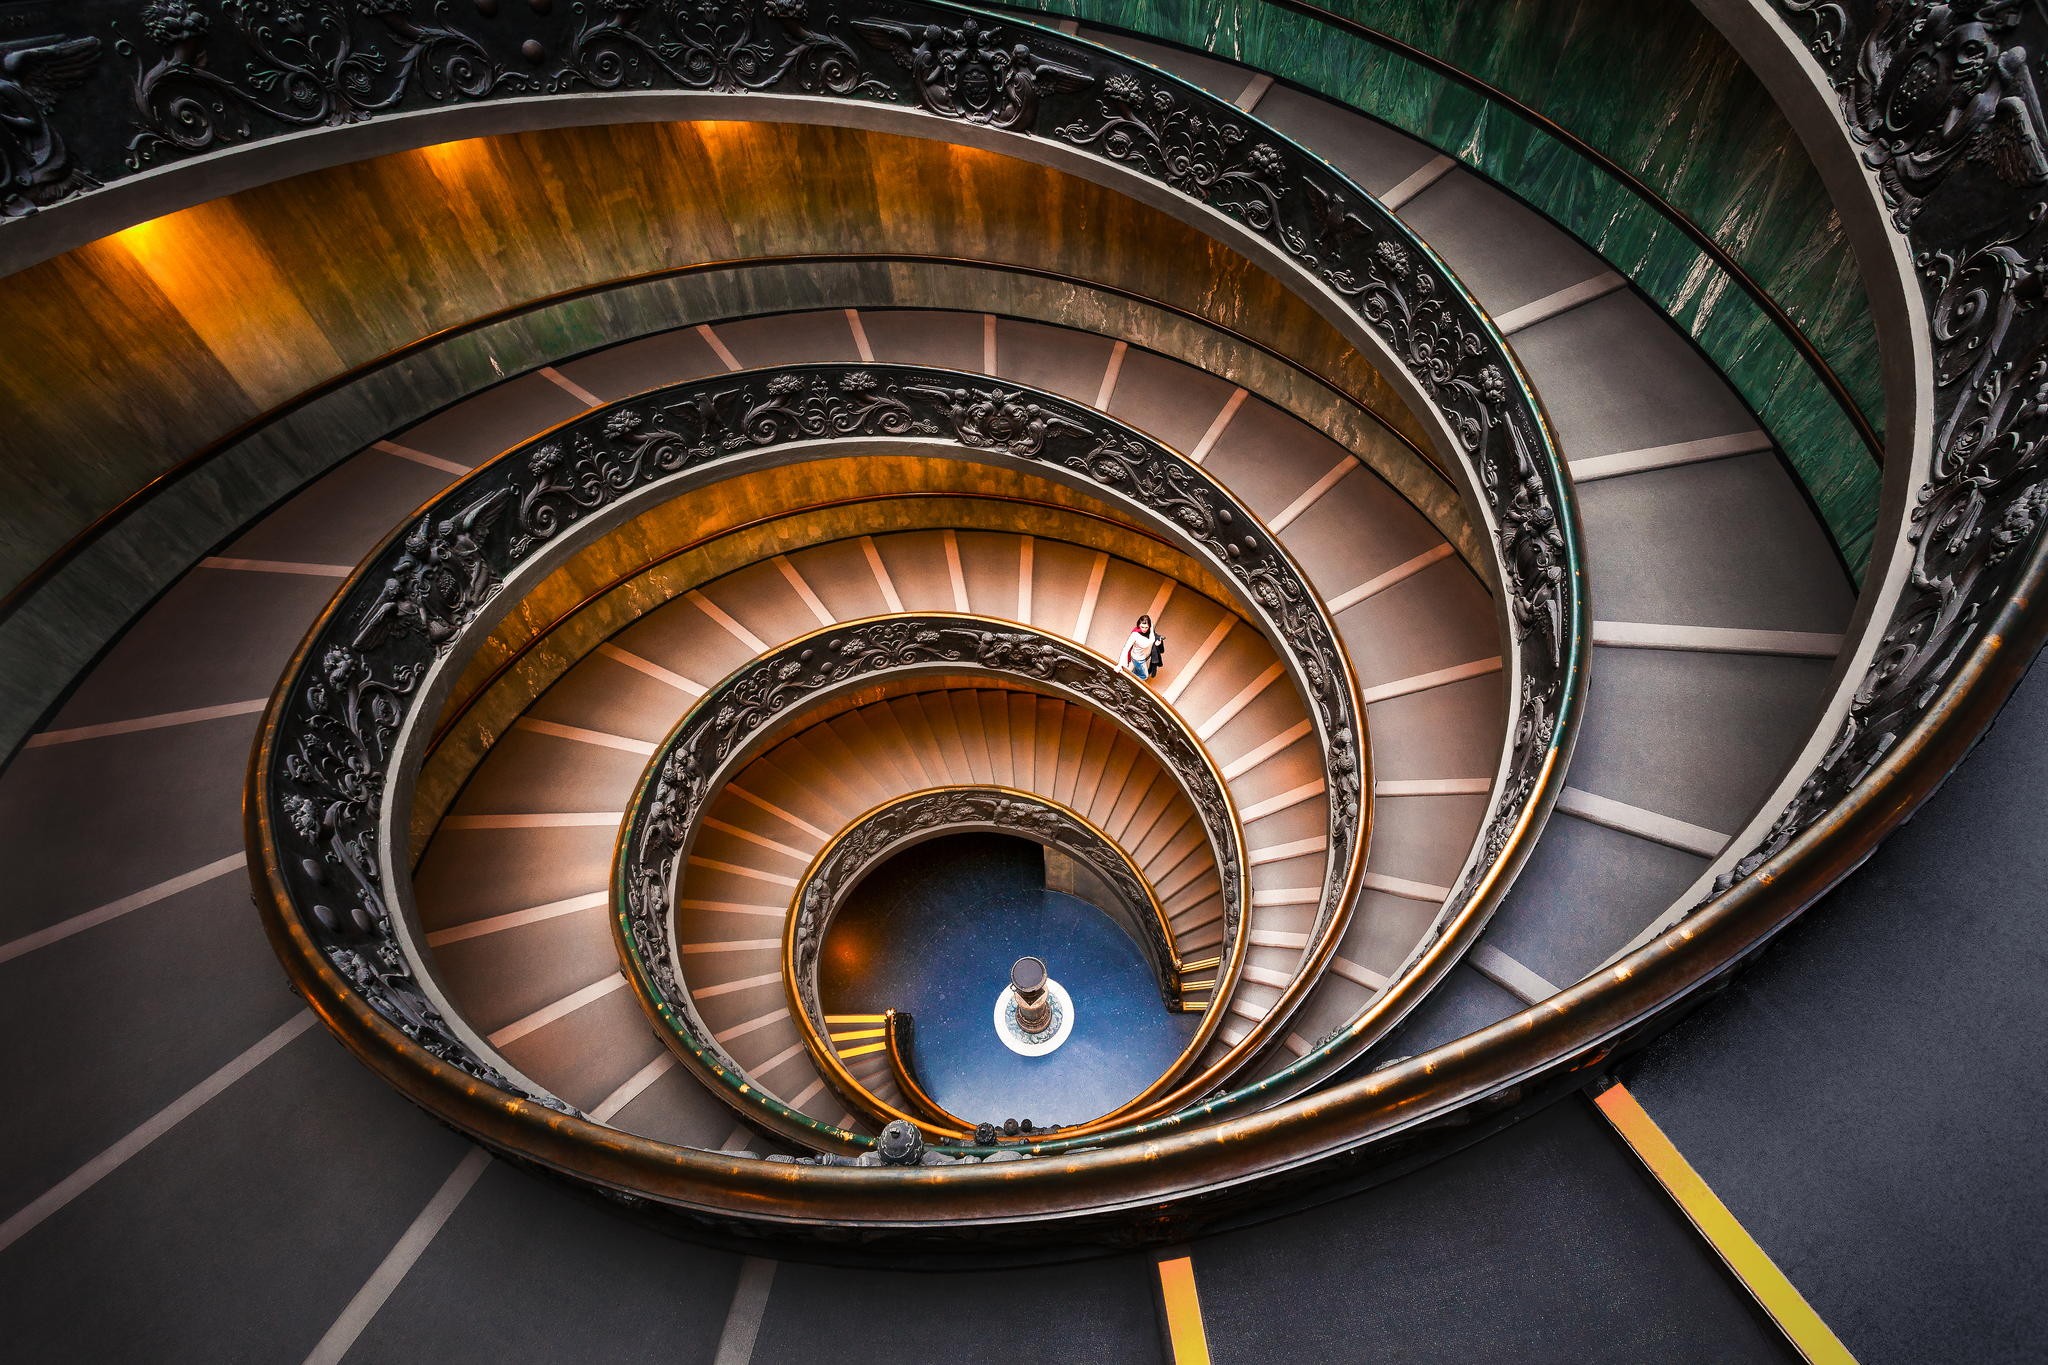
(1139, 647)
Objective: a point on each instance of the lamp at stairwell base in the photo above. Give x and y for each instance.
(1034, 1014)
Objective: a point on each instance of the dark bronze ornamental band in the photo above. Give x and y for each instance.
(150, 85)
(1944, 102)
(323, 771)
(732, 722)
(334, 755)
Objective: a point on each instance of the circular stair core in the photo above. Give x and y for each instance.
(933, 931)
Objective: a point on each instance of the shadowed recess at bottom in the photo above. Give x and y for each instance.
(933, 933)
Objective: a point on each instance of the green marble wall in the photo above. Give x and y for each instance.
(1655, 88)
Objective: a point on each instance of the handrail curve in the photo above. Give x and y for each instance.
(733, 723)
(329, 738)
(899, 1038)
(151, 88)
(910, 818)
(1956, 642)
(1390, 287)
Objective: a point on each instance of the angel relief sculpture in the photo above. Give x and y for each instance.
(33, 73)
(970, 73)
(1938, 87)
(436, 586)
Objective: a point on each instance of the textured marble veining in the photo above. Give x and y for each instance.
(1658, 90)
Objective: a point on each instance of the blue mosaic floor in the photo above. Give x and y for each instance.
(934, 931)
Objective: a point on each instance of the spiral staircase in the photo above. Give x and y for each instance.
(546, 500)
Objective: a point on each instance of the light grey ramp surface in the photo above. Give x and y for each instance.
(101, 1031)
(1545, 1242)
(526, 1270)
(1868, 1098)
(242, 1232)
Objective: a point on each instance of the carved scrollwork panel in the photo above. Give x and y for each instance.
(330, 744)
(705, 750)
(193, 79)
(142, 85)
(1943, 99)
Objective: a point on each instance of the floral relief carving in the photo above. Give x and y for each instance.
(704, 45)
(335, 733)
(192, 78)
(196, 77)
(297, 63)
(706, 749)
(1932, 88)
(1929, 88)
(205, 75)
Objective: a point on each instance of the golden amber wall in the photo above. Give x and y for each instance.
(131, 353)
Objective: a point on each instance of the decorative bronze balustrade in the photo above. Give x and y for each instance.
(144, 88)
(342, 727)
(916, 816)
(324, 764)
(922, 815)
(1956, 642)
(1944, 104)
(912, 818)
(757, 704)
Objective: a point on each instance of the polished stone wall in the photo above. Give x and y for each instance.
(134, 351)
(211, 330)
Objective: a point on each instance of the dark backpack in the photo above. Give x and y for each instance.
(1158, 654)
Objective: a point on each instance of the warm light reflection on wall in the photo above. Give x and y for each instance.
(846, 953)
(209, 269)
(209, 316)
(961, 154)
(449, 160)
(147, 243)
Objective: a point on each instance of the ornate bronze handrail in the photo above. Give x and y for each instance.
(384, 646)
(915, 816)
(1381, 284)
(192, 90)
(1724, 259)
(927, 812)
(733, 721)
(899, 1037)
(1958, 641)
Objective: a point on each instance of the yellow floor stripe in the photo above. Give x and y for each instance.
(1183, 1308)
(855, 1018)
(848, 1053)
(1730, 1240)
(855, 1035)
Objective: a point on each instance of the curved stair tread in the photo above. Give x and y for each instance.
(650, 362)
(1030, 344)
(217, 636)
(932, 337)
(341, 516)
(1505, 252)
(889, 736)
(474, 429)
(769, 602)
(1724, 540)
(1726, 544)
